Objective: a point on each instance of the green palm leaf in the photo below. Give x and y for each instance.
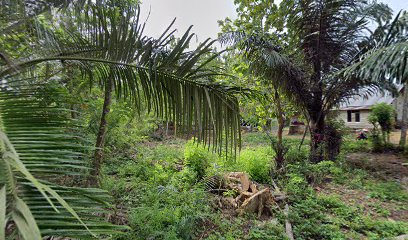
(42, 142)
(175, 82)
(388, 59)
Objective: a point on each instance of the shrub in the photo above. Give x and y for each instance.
(198, 158)
(350, 144)
(388, 191)
(384, 115)
(167, 213)
(294, 155)
(376, 142)
(334, 131)
(268, 231)
(257, 162)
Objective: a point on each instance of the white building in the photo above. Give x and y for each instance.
(355, 112)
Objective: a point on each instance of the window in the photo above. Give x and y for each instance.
(348, 115)
(356, 116)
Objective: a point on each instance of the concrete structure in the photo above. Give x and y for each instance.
(356, 110)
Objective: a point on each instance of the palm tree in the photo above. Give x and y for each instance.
(110, 49)
(323, 37)
(39, 141)
(387, 61)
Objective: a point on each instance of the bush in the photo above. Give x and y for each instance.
(198, 158)
(334, 131)
(388, 191)
(257, 162)
(350, 144)
(376, 142)
(384, 115)
(327, 216)
(296, 156)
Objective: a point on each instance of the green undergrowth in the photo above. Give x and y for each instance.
(160, 192)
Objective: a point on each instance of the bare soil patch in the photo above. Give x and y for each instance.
(387, 166)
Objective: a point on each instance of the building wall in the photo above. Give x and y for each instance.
(398, 105)
(364, 123)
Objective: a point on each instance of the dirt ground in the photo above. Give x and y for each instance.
(388, 166)
(385, 166)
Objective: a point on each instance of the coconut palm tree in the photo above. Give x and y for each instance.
(321, 37)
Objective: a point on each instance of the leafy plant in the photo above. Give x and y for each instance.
(197, 158)
(257, 162)
(284, 45)
(384, 115)
(110, 50)
(40, 149)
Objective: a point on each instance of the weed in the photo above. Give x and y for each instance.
(257, 162)
(387, 191)
(198, 158)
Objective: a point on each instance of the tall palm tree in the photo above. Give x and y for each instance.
(324, 37)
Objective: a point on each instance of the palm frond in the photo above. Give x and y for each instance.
(268, 61)
(39, 142)
(387, 61)
(175, 82)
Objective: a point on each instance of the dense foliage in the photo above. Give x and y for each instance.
(108, 133)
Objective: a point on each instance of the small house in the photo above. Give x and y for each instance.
(356, 110)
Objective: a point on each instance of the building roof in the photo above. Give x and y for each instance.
(366, 102)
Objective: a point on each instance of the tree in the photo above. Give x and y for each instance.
(311, 40)
(121, 60)
(253, 18)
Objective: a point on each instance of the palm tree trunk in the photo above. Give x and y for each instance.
(100, 139)
(404, 119)
(317, 125)
(317, 115)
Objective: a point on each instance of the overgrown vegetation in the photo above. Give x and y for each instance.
(161, 194)
(108, 133)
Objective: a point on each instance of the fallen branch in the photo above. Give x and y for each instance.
(288, 226)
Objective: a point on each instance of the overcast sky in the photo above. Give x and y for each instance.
(203, 14)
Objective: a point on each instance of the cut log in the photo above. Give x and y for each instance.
(257, 202)
(242, 197)
(238, 180)
(279, 196)
(253, 188)
(402, 237)
(244, 182)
